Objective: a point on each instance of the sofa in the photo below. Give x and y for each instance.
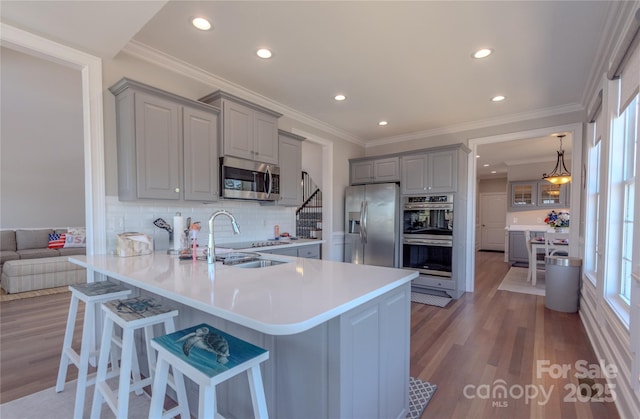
(34, 259)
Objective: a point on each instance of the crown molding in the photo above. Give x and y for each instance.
(144, 52)
(619, 16)
(485, 123)
(156, 57)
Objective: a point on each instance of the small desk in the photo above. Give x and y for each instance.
(540, 244)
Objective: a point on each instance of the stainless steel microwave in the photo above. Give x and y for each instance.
(247, 179)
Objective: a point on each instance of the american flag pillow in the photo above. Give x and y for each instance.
(56, 241)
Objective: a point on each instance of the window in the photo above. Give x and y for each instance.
(621, 207)
(592, 225)
(628, 184)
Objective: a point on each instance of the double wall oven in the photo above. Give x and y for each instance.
(427, 234)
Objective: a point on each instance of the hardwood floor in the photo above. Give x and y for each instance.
(490, 340)
(31, 334)
(465, 348)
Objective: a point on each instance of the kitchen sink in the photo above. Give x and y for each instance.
(246, 260)
(258, 263)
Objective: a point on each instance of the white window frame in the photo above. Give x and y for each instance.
(593, 210)
(629, 179)
(615, 209)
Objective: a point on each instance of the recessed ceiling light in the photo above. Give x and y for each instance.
(201, 23)
(485, 165)
(382, 123)
(477, 156)
(494, 172)
(498, 98)
(340, 97)
(482, 53)
(264, 53)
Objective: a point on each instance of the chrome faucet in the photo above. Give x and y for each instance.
(211, 246)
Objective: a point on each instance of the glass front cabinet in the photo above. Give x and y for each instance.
(522, 195)
(550, 195)
(528, 195)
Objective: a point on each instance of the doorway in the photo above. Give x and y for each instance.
(493, 215)
(90, 68)
(574, 130)
(332, 248)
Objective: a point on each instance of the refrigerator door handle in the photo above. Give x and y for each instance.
(366, 214)
(361, 231)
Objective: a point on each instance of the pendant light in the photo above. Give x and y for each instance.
(560, 174)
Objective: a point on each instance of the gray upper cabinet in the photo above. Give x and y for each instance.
(550, 195)
(249, 131)
(522, 195)
(166, 145)
(200, 134)
(375, 170)
(528, 195)
(432, 172)
(290, 154)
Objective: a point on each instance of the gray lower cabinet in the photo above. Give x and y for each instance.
(249, 131)
(518, 248)
(431, 172)
(374, 358)
(290, 156)
(374, 170)
(311, 251)
(166, 145)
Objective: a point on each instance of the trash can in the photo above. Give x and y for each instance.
(562, 283)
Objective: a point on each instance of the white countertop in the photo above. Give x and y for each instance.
(277, 300)
(530, 227)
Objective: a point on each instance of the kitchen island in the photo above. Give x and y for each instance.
(338, 333)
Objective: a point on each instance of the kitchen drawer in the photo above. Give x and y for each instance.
(311, 252)
(292, 251)
(431, 281)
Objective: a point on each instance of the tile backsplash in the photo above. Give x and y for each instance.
(256, 221)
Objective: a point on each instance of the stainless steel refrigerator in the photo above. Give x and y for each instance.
(372, 226)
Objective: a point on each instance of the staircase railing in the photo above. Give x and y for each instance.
(309, 214)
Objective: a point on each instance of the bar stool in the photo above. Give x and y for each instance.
(133, 314)
(92, 294)
(209, 357)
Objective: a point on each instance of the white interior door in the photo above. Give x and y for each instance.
(493, 215)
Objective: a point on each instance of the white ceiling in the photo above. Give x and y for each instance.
(405, 62)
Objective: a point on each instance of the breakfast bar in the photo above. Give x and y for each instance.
(338, 333)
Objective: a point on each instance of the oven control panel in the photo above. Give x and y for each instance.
(440, 199)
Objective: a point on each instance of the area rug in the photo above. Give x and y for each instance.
(516, 281)
(432, 300)
(420, 393)
(49, 404)
(29, 294)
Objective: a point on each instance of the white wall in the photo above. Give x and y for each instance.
(312, 161)
(41, 166)
(492, 185)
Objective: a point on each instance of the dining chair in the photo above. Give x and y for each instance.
(534, 262)
(556, 244)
